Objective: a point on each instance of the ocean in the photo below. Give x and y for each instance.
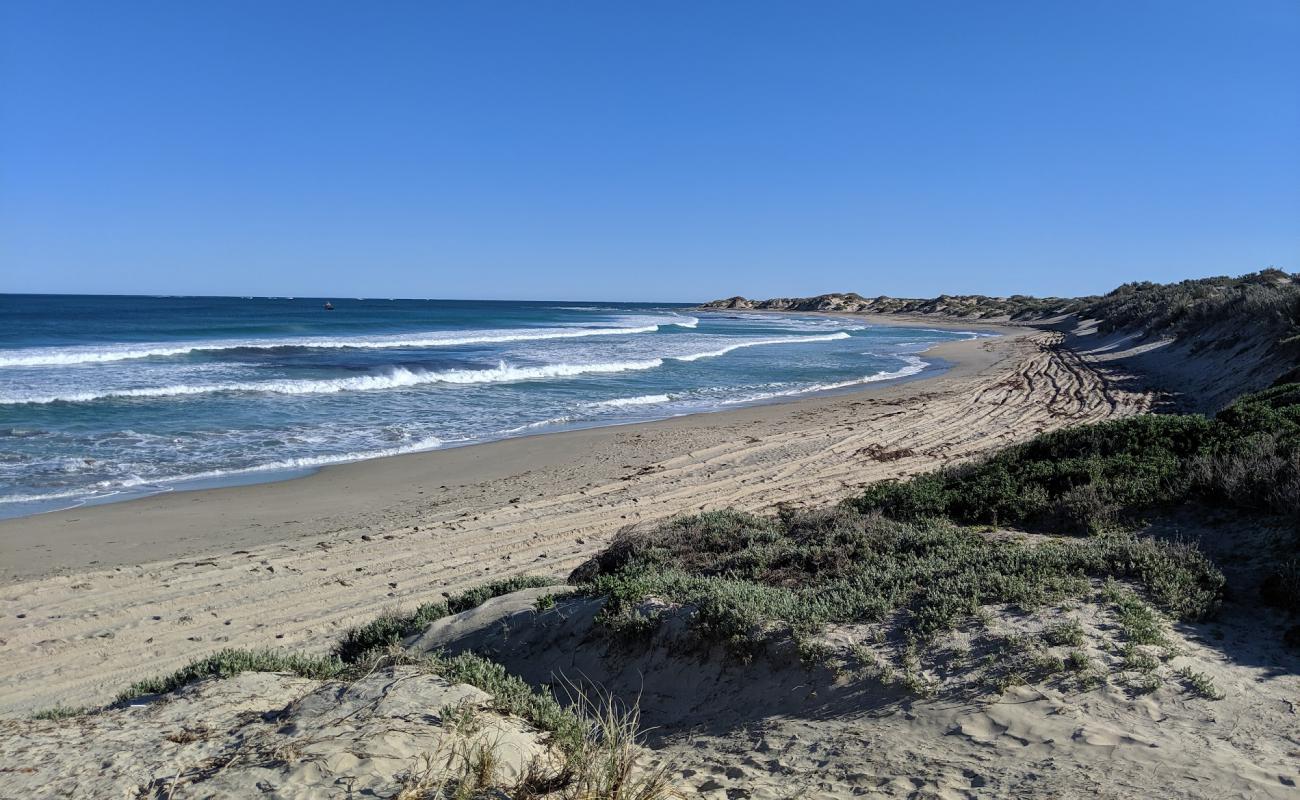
(108, 397)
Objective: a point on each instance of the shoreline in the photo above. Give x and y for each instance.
(98, 597)
(63, 540)
(256, 476)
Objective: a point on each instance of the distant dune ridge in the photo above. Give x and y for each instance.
(1067, 567)
(1208, 339)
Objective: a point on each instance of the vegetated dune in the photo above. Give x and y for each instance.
(848, 721)
(1207, 340)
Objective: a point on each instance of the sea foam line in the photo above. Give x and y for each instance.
(722, 351)
(46, 356)
(397, 377)
(639, 400)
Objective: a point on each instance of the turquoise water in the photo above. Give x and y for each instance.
(112, 397)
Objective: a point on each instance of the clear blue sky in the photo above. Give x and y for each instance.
(644, 150)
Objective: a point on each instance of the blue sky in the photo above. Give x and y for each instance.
(644, 150)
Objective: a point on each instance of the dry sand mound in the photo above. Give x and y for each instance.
(267, 735)
(773, 727)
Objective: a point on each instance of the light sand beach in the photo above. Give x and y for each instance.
(97, 597)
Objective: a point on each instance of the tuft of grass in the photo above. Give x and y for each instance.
(1141, 623)
(1137, 660)
(596, 735)
(63, 712)
(1062, 634)
(1200, 683)
(607, 765)
(1078, 661)
(390, 629)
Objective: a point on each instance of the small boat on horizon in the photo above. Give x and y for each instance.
(329, 306)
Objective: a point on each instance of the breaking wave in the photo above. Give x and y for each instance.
(49, 356)
(398, 377)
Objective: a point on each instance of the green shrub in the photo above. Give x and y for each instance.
(804, 571)
(228, 663)
(1086, 479)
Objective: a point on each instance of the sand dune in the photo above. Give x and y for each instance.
(776, 727)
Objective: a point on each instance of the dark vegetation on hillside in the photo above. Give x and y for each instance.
(1265, 302)
(1090, 477)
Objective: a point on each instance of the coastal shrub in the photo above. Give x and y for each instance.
(1253, 460)
(743, 575)
(1089, 478)
(1268, 300)
(391, 628)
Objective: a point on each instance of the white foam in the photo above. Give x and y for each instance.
(401, 377)
(542, 423)
(640, 400)
(971, 334)
(722, 351)
(51, 356)
(398, 377)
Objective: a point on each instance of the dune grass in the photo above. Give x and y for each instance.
(230, 662)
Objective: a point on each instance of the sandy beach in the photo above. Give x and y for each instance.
(96, 597)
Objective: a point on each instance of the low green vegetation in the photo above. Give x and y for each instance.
(390, 629)
(1141, 623)
(1200, 683)
(228, 663)
(62, 712)
(746, 576)
(1089, 478)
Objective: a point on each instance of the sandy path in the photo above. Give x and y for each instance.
(76, 639)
